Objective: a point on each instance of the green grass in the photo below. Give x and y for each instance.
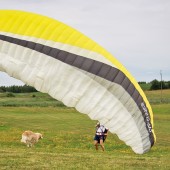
(154, 96)
(68, 138)
(27, 99)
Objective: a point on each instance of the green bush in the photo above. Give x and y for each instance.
(33, 95)
(10, 95)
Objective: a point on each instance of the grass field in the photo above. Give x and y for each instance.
(68, 137)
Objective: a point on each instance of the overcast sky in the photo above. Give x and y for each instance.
(136, 32)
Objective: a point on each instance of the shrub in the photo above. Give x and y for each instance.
(10, 95)
(33, 95)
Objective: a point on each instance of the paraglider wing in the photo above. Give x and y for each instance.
(58, 60)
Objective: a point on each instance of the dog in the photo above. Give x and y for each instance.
(30, 138)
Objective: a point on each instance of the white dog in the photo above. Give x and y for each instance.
(30, 138)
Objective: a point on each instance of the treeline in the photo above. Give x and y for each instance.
(155, 85)
(17, 89)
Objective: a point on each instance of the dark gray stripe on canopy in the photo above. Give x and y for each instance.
(92, 66)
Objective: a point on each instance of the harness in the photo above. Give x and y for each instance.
(102, 131)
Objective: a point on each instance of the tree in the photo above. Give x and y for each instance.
(18, 89)
(155, 85)
(168, 84)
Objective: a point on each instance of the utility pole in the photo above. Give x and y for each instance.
(161, 84)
